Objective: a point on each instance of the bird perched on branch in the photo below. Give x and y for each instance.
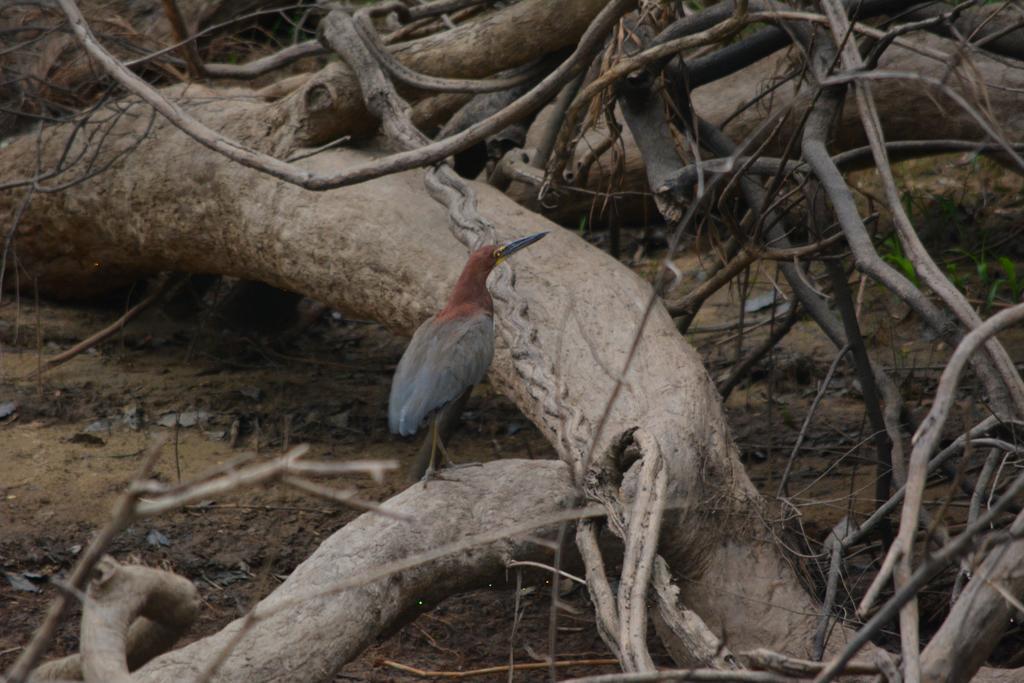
(448, 355)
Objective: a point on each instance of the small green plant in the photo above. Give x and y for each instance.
(909, 200)
(947, 208)
(954, 276)
(894, 255)
(990, 283)
(1010, 271)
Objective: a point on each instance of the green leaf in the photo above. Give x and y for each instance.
(1010, 270)
(955, 278)
(992, 292)
(904, 264)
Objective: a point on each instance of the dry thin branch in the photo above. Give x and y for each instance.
(834, 545)
(740, 370)
(802, 668)
(901, 552)
(878, 75)
(950, 552)
(929, 272)
(867, 259)
(980, 491)
(402, 73)
(425, 155)
(924, 441)
(189, 51)
(930, 431)
(689, 304)
(888, 506)
(727, 27)
(598, 586)
(110, 330)
(490, 670)
(158, 499)
(265, 65)
(822, 388)
(112, 628)
(695, 675)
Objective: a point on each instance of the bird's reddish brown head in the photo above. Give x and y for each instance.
(470, 295)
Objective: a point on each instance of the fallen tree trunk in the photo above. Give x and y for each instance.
(330, 105)
(309, 639)
(382, 249)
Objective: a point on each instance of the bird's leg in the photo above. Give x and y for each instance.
(449, 463)
(439, 443)
(438, 450)
(434, 442)
(447, 423)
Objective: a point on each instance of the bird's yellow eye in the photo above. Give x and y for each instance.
(499, 256)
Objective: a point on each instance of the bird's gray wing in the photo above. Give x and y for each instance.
(442, 360)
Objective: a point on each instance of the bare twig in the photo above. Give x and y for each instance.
(160, 499)
(888, 506)
(265, 65)
(110, 330)
(740, 370)
(929, 272)
(597, 584)
(980, 491)
(696, 675)
(901, 552)
(783, 483)
(924, 442)
(802, 668)
(189, 51)
(727, 27)
(490, 670)
(404, 74)
(424, 155)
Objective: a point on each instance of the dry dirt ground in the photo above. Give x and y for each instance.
(70, 442)
(78, 437)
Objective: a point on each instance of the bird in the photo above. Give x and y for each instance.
(448, 355)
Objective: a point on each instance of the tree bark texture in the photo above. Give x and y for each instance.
(311, 640)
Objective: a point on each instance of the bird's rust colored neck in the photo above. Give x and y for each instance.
(470, 295)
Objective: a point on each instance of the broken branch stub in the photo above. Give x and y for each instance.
(132, 614)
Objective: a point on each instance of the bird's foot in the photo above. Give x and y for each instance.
(437, 474)
(459, 466)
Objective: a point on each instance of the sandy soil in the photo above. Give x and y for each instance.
(71, 446)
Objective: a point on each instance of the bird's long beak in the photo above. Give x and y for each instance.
(509, 248)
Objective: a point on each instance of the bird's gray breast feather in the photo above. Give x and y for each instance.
(442, 360)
